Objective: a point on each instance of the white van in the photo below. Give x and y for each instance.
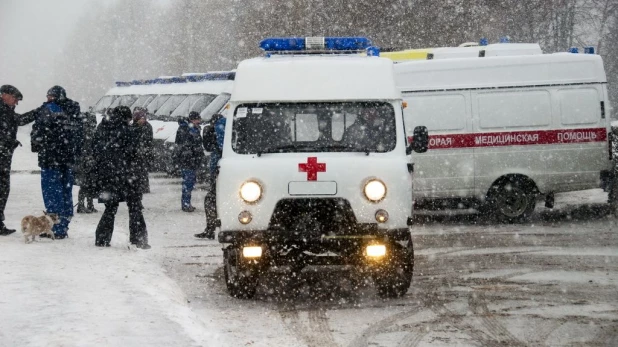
(298, 186)
(167, 99)
(506, 129)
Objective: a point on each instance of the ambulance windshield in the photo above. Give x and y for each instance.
(314, 127)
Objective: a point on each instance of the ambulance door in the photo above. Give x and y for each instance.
(446, 170)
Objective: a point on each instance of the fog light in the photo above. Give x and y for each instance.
(252, 252)
(381, 216)
(375, 251)
(245, 217)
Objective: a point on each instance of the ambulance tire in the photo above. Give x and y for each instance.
(511, 200)
(612, 196)
(240, 284)
(394, 281)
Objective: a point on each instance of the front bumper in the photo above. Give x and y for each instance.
(367, 231)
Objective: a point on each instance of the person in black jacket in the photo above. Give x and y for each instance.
(9, 122)
(116, 169)
(56, 136)
(189, 156)
(143, 133)
(84, 177)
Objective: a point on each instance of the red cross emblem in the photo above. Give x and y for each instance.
(161, 128)
(312, 168)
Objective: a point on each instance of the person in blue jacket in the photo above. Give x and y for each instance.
(56, 136)
(189, 156)
(213, 141)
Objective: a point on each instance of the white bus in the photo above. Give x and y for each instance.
(167, 99)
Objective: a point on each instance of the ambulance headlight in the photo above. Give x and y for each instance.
(250, 191)
(375, 190)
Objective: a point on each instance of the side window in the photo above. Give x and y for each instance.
(514, 109)
(579, 106)
(436, 112)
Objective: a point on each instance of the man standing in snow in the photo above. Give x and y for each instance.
(117, 167)
(9, 122)
(213, 142)
(56, 135)
(190, 156)
(142, 130)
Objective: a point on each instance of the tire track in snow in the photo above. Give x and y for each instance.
(315, 332)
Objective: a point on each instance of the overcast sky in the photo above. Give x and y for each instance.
(32, 36)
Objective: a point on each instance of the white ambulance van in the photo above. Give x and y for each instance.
(506, 129)
(167, 99)
(315, 167)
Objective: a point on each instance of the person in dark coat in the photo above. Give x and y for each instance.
(116, 169)
(9, 122)
(56, 137)
(143, 133)
(84, 177)
(189, 156)
(215, 144)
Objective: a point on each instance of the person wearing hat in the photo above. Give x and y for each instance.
(9, 122)
(56, 136)
(142, 130)
(116, 158)
(189, 156)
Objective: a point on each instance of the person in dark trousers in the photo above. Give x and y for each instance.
(189, 156)
(84, 177)
(142, 130)
(213, 142)
(9, 122)
(116, 169)
(56, 137)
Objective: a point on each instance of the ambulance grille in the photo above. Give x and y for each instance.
(313, 217)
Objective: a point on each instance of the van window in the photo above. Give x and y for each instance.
(124, 100)
(436, 112)
(196, 102)
(314, 127)
(215, 106)
(104, 103)
(164, 112)
(579, 106)
(142, 101)
(514, 109)
(157, 102)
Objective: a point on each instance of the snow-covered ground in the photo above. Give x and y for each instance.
(553, 281)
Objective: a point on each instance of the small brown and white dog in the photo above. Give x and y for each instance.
(34, 226)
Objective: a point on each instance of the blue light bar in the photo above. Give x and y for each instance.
(589, 50)
(483, 41)
(505, 39)
(283, 44)
(573, 50)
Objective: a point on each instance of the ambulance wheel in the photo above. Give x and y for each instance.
(612, 196)
(512, 200)
(395, 279)
(240, 283)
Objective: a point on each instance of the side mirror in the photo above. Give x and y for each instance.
(420, 140)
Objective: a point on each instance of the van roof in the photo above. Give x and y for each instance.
(202, 87)
(314, 78)
(501, 71)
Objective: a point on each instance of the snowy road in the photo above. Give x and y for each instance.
(551, 282)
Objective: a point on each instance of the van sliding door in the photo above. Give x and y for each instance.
(446, 170)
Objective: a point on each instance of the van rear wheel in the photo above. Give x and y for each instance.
(512, 201)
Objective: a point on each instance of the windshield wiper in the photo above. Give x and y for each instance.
(274, 149)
